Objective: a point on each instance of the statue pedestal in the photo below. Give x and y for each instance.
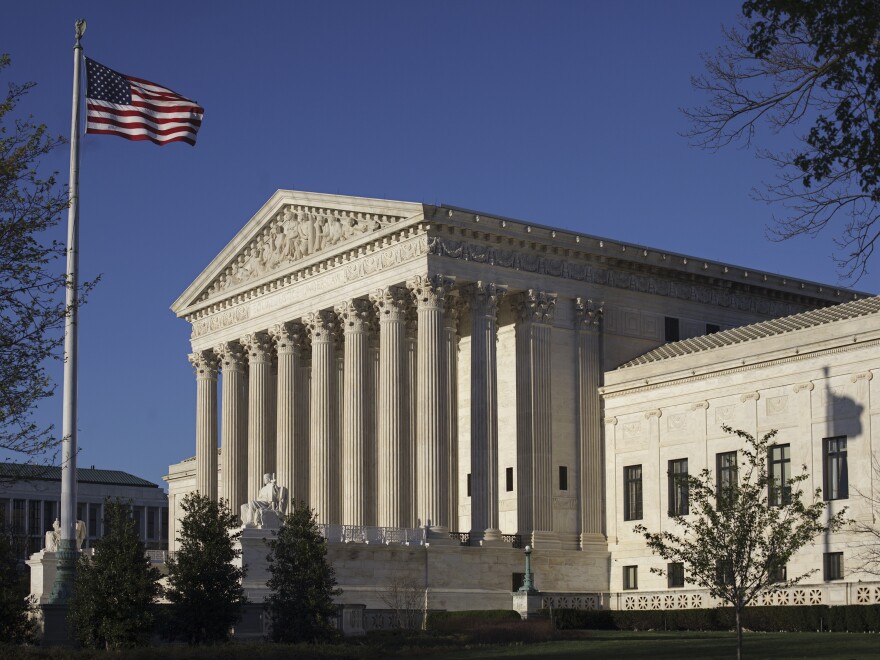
(253, 545)
(43, 566)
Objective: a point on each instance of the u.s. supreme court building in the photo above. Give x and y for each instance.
(431, 379)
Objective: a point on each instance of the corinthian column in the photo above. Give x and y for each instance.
(534, 422)
(289, 446)
(354, 316)
(324, 473)
(233, 425)
(205, 365)
(260, 420)
(432, 434)
(484, 298)
(588, 317)
(393, 409)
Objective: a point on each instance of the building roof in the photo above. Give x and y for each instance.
(760, 330)
(32, 472)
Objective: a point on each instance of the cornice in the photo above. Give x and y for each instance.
(799, 357)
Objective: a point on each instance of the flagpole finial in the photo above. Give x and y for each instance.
(80, 29)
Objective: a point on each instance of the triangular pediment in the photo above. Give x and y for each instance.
(293, 229)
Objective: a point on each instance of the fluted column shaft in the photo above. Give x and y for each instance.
(393, 408)
(288, 338)
(411, 387)
(588, 316)
(260, 420)
(484, 298)
(450, 335)
(233, 425)
(324, 473)
(205, 365)
(303, 430)
(534, 424)
(354, 316)
(432, 434)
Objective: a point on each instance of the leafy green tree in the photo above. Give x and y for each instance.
(302, 581)
(734, 542)
(205, 588)
(812, 70)
(32, 275)
(111, 606)
(16, 605)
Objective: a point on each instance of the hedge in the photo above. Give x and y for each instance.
(468, 619)
(805, 618)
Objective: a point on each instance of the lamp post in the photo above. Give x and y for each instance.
(528, 585)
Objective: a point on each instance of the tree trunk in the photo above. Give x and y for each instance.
(739, 633)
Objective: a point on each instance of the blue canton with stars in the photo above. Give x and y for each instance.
(106, 85)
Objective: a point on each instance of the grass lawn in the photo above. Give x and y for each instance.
(575, 644)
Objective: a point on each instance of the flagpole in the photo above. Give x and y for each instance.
(67, 551)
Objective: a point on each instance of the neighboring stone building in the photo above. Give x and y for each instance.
(30, 497)
(811, 377)
(427, 372)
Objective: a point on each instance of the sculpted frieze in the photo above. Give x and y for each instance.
(536, 263)
(293, 233)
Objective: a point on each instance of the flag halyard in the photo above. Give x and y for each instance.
(137, 109)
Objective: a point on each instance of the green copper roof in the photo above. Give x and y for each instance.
(32, 472)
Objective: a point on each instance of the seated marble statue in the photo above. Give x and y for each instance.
(270, 498)
(53, 536)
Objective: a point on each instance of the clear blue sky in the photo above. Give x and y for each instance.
(563, 113)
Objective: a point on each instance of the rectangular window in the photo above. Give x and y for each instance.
(469, 484)
(164, 523)
(672, 329)
(630, 577)
(632, 492)
(508, 475)
(94, 520)
(674, 575)
(833, 565)
(780, 473)
(779, 574)
(19, 513)
(678, 487)
(726, 471)
(151, 523)
(836, 478)
(563, 477)
(712, 328)
(4, 515)
(49, 515)
(138, 515)
(724, 572)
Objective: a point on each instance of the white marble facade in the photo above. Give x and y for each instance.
(404, 365)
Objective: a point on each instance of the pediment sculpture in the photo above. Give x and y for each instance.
(293, 233)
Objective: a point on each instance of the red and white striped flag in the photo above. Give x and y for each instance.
(137, 109)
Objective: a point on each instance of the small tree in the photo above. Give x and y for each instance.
(734, 543)
(16, 606)
(302, 582)
(204, 586)
(113, 592)
(405, 597)
(867, 529)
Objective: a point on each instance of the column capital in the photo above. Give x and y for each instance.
(354, 315)
(430, 290)
(534, 306)
(484, 297)
(322, 325)
(288, 337)
(205, 364)
(231, 355)
(258, 347)
(453, 312)
(588, 313)
(391, 303)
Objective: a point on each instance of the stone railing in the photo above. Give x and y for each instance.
(574, 601)
(464, 538)
(372, 535)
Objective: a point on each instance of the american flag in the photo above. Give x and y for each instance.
(138, 109)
